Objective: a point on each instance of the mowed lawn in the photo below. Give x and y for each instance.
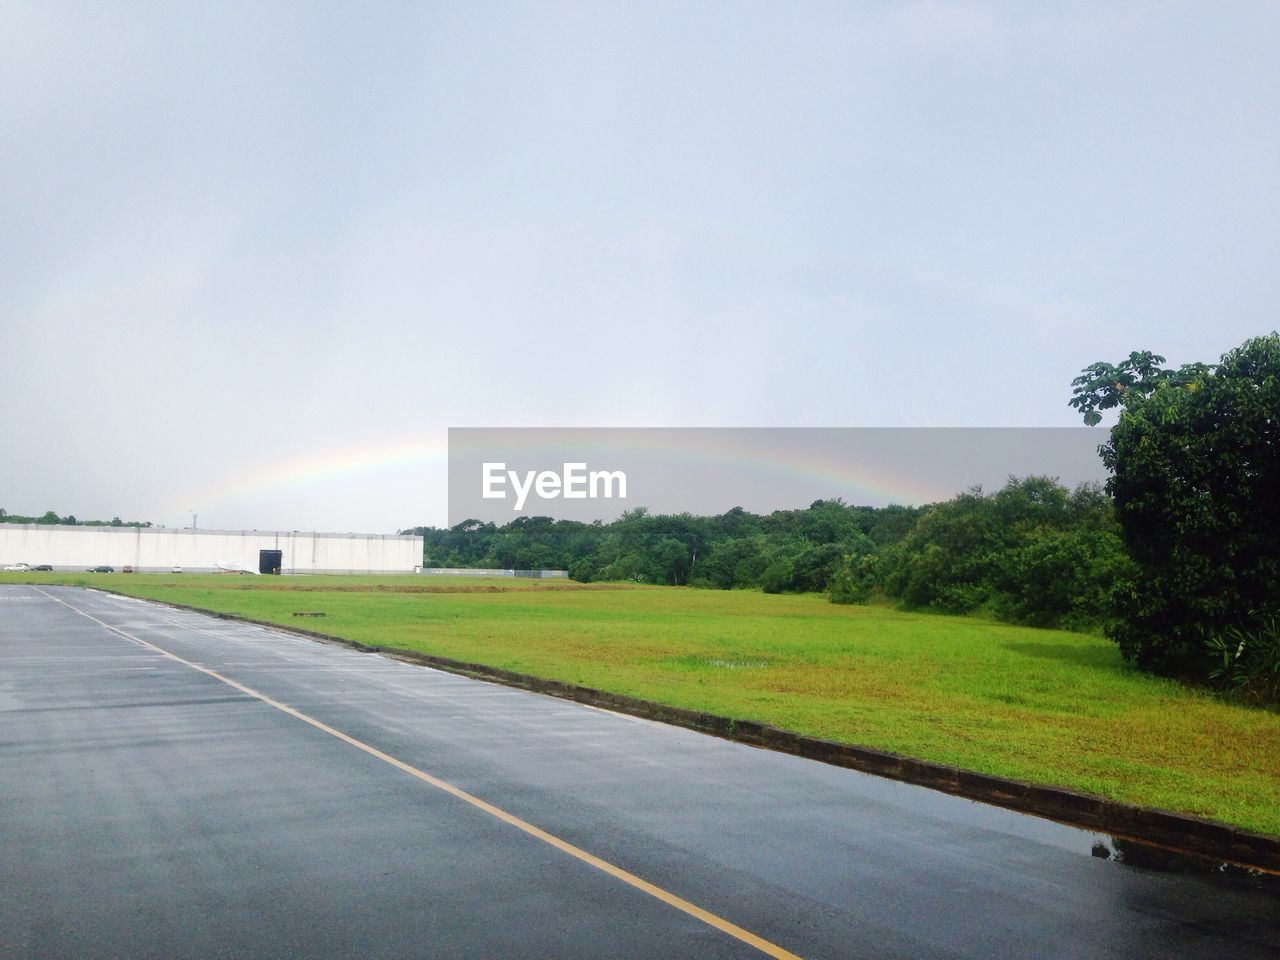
(1044, 706)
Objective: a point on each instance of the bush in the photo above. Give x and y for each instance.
(1034, 552)
(1247, 659)
(855, 580)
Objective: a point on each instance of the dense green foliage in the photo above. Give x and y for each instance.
(1032, 553)
(786, 551)
(1195, 464)
(50, 517)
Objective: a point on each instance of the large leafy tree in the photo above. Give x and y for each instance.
(1195, 476)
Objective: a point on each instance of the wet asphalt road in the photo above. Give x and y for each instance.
(148, 809)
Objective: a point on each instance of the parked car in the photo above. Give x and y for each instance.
(177, 569)
(17, 568)
(44, 567)
(102, 569)
(126, 569)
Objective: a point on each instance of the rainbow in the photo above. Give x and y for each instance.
(309, 469)
(710, 451)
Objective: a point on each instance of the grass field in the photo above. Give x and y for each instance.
(1040, 705)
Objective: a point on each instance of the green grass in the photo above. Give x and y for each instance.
(1040, 705)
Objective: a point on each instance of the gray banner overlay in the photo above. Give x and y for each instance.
(592, 473)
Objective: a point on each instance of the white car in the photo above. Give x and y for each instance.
(18, 568)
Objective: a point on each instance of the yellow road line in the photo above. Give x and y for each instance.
(693, 910)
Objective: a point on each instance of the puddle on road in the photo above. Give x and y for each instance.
(1141, 856)
(1118, 852)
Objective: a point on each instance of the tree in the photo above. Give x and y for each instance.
(1195, 476)
(1102, 386)
(671, 557)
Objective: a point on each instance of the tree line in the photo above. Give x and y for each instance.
(51, 517)
(1033, 552)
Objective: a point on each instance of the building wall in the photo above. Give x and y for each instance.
(151, 549)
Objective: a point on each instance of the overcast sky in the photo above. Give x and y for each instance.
(256, 258)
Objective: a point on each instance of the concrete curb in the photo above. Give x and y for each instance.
(1178, 832)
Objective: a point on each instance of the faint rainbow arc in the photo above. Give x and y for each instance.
(310, 469)
(827, 476)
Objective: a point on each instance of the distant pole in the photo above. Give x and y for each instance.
(193, 519)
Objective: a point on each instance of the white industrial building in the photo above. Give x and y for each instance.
(154, 549)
